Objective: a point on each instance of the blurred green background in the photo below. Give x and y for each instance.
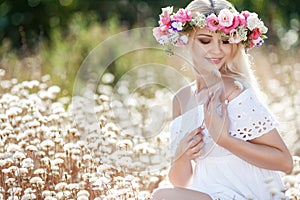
(31, 21)
(53, 37)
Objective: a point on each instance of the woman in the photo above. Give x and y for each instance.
(224, 141)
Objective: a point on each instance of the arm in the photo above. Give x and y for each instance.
(267, 151)
(181, 171)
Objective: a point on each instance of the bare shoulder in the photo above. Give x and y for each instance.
(179, 99)
(231, 89)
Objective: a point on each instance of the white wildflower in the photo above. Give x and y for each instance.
(68, 146)
(87, 157)
(126, 143)
(82, 198)
(13, 147)
(9, 161)
(12, 169)
(60, 155)
(2, 163)
(23, 171)
(36, 180)
(46, 161)
(50, 198)
(39, 171)
(19, 155)
(58, 161)
(27, 163)
(33, 124)
(13, 198)
(46, 144)
(55, 168)
(46, 193)
(31, 148)
(10, 181)
(73, 186)
(28, 196)
(54, 89)
(61, 186)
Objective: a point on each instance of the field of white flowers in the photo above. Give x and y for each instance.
(50, 148)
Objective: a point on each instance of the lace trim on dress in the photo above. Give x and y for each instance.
(248, 117)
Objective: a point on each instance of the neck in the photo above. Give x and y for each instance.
(207, 81)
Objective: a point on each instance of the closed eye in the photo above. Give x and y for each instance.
(205, 41)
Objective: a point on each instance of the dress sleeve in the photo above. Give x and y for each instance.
(248, 117)
(183, 125)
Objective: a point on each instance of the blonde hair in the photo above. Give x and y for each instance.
(239, 67)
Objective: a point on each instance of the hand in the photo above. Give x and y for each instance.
(190, 147)
(216, 118)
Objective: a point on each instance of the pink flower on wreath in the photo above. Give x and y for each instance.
(234, 24)
(182, 16)
(234, 36)
(255, 34)
(251, 44)
(242, 20)
(212, 22)
(164, 19)
(245, 14)
(225, 18)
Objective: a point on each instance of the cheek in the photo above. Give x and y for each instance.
(227, 49)
(199, 50)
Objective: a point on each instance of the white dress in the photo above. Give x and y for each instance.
(218, 172)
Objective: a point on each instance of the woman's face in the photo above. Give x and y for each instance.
(209, 51)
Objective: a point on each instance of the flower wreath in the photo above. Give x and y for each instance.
(244, 27)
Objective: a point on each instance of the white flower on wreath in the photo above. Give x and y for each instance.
(163, 40)
(177, 25)
(199, 20)
(242, 32)
(173, 37)
(183, 39)
(263, 29)
(168, 9)
(253, 21)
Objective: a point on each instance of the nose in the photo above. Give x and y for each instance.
(216, 46)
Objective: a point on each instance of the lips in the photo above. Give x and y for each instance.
(215, 60)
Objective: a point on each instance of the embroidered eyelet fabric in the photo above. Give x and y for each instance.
(218, 172)
(248, 119)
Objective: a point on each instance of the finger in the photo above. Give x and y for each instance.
(200, 129)
(198, 154)
(190, 136)
(195, 142)
(197, 148)
(193, 134)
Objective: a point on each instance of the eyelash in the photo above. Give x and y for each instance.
(208, 41)
(204, 41)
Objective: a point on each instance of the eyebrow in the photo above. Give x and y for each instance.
(207, 35)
